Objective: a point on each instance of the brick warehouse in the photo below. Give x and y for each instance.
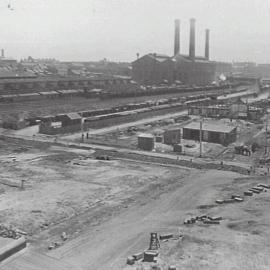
(156, 68)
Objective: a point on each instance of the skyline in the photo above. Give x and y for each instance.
(118, 29)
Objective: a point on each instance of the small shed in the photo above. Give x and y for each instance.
(172, 136)
(146, 142)
(71, 119)
(178, 148)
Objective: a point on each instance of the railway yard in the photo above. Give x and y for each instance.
(123, 150)
(102, 194)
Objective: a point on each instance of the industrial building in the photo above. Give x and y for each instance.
(156, 68)
(236, 110)
(213, 133)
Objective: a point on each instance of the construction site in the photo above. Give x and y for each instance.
(167, 169)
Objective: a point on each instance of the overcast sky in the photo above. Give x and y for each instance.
(86, 30)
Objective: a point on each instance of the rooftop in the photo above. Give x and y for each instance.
(144, 135)
(159, 57)
(73, 116)
(214, 127)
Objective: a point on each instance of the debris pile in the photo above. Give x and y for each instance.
(237, 198)
(204, 219)
(10, 232)
(151, 254)
(257, 189)
(234, 198)
(54, 245)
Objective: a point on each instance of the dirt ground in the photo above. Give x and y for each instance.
(109, 208)
(69, 190)
(247, 133)
(241, 241)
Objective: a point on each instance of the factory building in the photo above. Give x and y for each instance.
(189, 69)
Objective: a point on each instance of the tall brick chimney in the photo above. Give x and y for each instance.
(207, 44)
(192, 39)
(2, 53)
(177, 37)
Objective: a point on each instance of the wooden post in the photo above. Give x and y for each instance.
(266, 128)
(22, 184)
(200, 139)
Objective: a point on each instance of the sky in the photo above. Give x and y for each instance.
(85, 30)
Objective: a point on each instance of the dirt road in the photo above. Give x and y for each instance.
(108, 246)
(125, 125)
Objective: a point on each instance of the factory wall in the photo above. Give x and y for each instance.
(195, 72)
(222, 68)
(148, 71)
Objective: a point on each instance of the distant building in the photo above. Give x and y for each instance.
(244, 68)
(189, 69)
(263, 70)
(7, 62)
(251, 69)
(62, 69)
(236, 110)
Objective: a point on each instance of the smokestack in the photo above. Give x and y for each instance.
(192, 39)
(207, 44)
(2, 53)
(177, 37)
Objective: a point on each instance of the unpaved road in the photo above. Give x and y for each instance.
(125, 125)
(108, 246)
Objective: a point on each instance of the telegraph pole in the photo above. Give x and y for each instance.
(82, 129)
(266, 129)
(200, 139)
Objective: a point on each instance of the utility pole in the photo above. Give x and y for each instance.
(266, 128)
(82, 122)
(22, 183)
(200, 139)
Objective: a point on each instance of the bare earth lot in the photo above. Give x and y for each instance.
(70, 190)
(109, 208)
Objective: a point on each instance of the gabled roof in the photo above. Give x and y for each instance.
(159, 57)
(176, 58)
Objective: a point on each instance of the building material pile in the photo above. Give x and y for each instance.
(151, 254)
(257, 189)
(234, 198)
(237, 198)
(9, 232)
(204, 219)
